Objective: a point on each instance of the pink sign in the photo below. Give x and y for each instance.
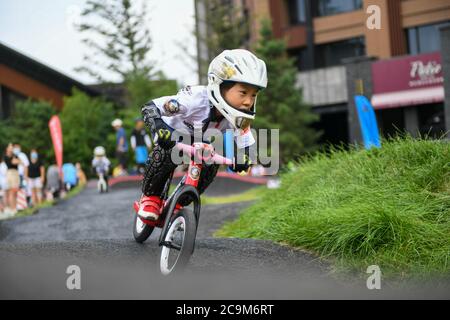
(409, 73)
(57, 138)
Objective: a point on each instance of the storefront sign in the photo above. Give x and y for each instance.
(408, 81)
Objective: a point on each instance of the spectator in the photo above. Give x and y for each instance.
(23, 167)
(81, 176)
(3, 186)
(53, 181)
(121, 144)
(36, 177)
(69, 176)
(140, 142)
(12, 162)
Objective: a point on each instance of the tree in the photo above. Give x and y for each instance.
(86, 123)
(226, 27)
(141, 89)
(28, 125)
(280, 106)
(121, 38)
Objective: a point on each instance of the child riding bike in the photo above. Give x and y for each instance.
(228, 102)
(100, 163)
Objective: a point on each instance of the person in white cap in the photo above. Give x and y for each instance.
(121, 144)
(228, 102)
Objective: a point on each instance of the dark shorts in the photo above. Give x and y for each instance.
(122, 158)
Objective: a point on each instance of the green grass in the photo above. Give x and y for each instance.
(72, 193)
(33, 210)
(249, 195)
(389, 207)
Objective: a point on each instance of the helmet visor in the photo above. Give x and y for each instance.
(243, 123)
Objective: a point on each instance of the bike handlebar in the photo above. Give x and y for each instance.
(216, 158)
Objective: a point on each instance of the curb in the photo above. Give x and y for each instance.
(221, 174)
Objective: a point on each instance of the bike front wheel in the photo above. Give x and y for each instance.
(141, 230)
(179, 242)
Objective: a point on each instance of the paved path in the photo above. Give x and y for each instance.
(94, 232)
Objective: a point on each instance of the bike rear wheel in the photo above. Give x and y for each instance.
(179, 242)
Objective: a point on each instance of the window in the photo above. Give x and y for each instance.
(331, 54)
(8, 103)
(424, 39)
(333, 125)
(300, 57)
(296, 11)
(391, 122)
(431, 120)
(331, 7)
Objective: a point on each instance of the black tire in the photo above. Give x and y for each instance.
(141, 234)
(187, 247)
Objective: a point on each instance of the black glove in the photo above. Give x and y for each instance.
(164, 133)
(152, 118)
(243, 165)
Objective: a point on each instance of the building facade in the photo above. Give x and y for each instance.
(339, 54)
(23, 78)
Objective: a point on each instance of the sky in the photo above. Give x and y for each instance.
(42, 30)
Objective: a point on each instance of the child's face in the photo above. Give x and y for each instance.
(241, 96)
(139, 125)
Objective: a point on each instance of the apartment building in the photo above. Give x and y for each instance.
(399, 66)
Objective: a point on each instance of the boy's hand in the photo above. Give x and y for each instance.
(243, 165)
(164, 133)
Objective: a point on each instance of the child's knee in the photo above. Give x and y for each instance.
(207, 176)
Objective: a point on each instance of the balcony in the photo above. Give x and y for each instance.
(326, 86)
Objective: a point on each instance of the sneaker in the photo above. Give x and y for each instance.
(150, 208)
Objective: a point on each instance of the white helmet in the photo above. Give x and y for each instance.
(236, 65)
(99, 151)
(116, 123)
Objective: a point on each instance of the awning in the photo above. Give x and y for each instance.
(408, 97)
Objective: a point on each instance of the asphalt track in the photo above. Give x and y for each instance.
(94, 232)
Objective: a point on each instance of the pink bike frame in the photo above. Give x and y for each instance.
(193, 174)
(196, 164)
